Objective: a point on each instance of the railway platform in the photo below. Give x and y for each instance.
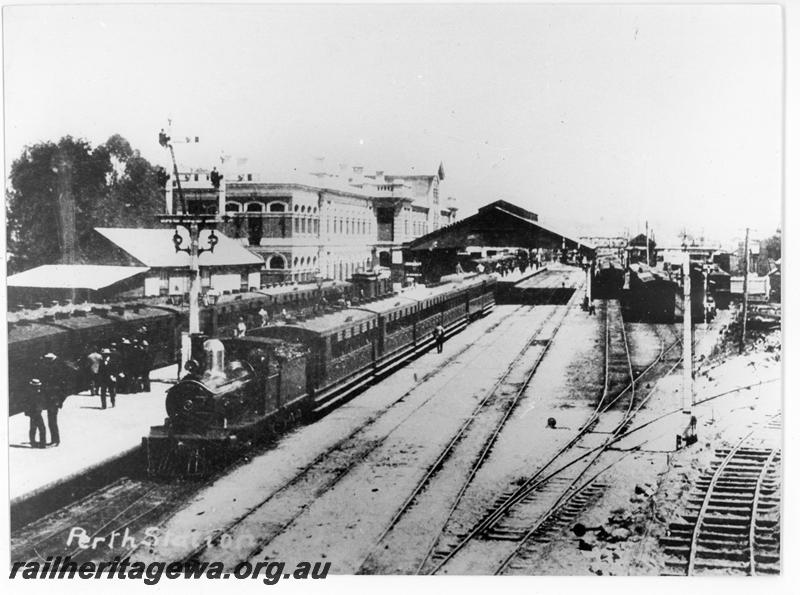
(91, 438)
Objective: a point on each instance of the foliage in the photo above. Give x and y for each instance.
(769, 252)
(111, 185)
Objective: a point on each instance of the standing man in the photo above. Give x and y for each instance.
(108, 378)
(34, 405)
(147, 364)
(127, 376)
(93, 362)
(54, 377)
(438, 335)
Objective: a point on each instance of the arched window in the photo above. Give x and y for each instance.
(296, 260)
(233, 207)
(277, 262)
(385, 259)
(255, 207)
(277, 207)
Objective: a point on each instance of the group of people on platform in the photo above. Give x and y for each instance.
(123, 366)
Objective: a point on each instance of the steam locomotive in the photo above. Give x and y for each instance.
(250, 388)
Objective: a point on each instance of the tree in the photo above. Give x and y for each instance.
(769, 252)
(111, 185)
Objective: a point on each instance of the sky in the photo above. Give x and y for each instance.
(595, 117)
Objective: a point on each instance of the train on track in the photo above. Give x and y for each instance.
(656, 295)
(72, 331)
(249, 388)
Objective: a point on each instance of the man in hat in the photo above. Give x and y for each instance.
(108, 377)
(55, 379)
(126, 381)
(438, 335)
(34, 404)
(93, 362)
(147, 363)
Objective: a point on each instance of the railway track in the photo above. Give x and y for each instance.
(731, 524)
(125, 504)
(335, 463)
(528, 511)
(497, 407)
(136, 504)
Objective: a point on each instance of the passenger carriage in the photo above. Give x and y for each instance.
(352, 347)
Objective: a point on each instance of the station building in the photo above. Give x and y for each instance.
(229, 268)
(324, 224)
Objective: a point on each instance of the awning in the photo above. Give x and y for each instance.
(73, 276)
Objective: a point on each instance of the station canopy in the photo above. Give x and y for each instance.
(499, 224)
(73, 276)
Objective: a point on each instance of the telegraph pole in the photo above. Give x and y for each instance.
(744, 288)
(647, 241)
(194, 223)
(705, 295)
(687, 397)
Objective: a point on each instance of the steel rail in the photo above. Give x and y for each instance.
(754, 513)
(707, 499)
(109, 522)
